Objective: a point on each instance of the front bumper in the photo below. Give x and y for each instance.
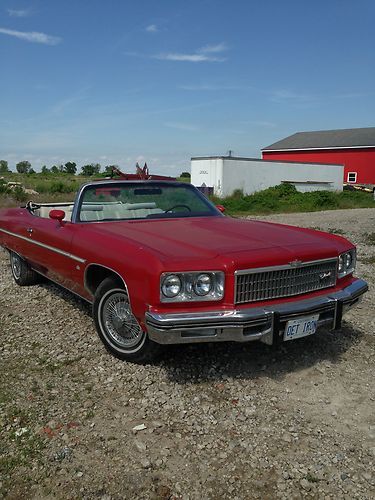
(255, 323)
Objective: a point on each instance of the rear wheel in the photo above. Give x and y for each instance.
(22, 273)
(117, 327)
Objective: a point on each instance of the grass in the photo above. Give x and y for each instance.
(368, 260)
(333, 230)
(370, 238)
(18, 450)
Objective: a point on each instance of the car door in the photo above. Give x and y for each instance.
(49, 249)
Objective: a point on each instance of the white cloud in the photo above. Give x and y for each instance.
(200, 55)
(32, 36)
(188, 57)
(152, 28)
(18, 13)
(209, 49)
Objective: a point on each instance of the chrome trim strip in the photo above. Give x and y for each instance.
(282, 267)
(43, 245)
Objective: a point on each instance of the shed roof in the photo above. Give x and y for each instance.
(327, 139)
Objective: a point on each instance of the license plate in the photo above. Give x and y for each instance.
(301, 327)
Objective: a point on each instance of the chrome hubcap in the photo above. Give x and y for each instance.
(119, 321)
(16, 266)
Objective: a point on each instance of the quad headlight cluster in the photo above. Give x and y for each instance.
(347, 262)
(192, 286)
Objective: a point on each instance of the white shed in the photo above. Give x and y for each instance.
(226, 173)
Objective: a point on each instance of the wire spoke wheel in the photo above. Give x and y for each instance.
(117, 326)
(119, 321)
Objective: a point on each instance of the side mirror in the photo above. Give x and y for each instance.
(57, 215)
(220, 208)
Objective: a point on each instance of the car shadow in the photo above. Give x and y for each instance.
(197, 363)
(66, 295)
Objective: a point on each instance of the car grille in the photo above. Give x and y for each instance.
(284, 281)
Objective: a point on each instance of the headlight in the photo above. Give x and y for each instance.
(192, 286)
(346, 263)
(348, 260)
(341, 264)
(203, 284)
(171, 286)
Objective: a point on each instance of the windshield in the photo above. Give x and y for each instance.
(149, 200)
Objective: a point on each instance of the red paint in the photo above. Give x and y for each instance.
(360, 160)
(141, 250)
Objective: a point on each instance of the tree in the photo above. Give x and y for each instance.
(70, 167)
(185, 174)
(31, 171)
(23, 167)
(108, 169)
(45, 170)
(91, 169)
(55, 170)
(4, 167)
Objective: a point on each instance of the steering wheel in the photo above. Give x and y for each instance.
(177, 206)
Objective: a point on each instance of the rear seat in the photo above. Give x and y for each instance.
(98, 212)
(44, 210)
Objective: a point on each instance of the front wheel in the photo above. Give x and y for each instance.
(117, 327)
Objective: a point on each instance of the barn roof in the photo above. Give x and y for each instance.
(327, 139)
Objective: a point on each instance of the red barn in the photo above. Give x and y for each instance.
(354, 148)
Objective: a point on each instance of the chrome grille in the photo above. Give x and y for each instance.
(284, 281)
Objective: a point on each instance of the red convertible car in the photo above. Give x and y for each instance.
(162, 265)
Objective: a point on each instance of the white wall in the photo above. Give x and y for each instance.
(227, 174)
(208, 171)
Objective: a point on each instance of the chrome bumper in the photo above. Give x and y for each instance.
(255, 323)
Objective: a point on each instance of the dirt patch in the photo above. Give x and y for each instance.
(214, 421)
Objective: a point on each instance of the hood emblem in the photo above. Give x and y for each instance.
(296, 263)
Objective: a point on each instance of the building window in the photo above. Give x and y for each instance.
(352, 177)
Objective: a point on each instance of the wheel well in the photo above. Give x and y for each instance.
(96, 273)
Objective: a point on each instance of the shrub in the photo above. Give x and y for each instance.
(3, 186)
(19, 194)
(285, 198)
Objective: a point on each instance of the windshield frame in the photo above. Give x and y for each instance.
(211, 212)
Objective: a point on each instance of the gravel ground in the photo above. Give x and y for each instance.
(206, 421)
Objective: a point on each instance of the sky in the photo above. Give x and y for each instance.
(121, 81)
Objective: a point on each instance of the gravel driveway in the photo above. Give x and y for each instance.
(206, 421)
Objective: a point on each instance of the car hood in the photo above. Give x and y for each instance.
(241, 240)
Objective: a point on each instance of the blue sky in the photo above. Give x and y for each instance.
(124, 81)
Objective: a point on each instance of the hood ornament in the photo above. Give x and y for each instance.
(296, 263)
